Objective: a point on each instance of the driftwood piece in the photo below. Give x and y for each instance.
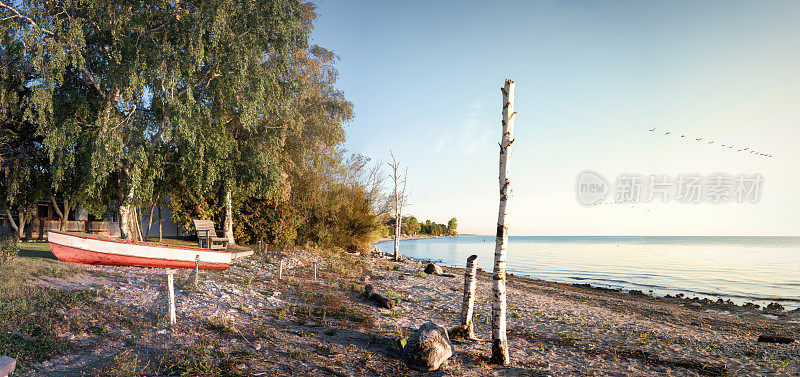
(383, 302)
(766, 338)
(7, 365)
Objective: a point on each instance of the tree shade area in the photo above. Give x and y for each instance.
(221, 109)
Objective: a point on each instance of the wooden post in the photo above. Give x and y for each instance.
(467, 308)
(499, 339)
(171, 288)
(280, 270)
(196, 270)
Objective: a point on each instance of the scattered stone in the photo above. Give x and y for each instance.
(750, 306)
(7, 365)
(636, 292)
(775, 307)
(428, 348)
(693, 304)
(433, 269)
(447, 275)
(775, 339)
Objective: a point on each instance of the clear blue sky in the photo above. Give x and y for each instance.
(592, 77)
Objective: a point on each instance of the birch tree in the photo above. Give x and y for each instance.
(499, 339)
(398, 199)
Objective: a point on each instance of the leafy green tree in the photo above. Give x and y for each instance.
(452, 226)
(194, 81)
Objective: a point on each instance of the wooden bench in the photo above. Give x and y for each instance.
(207, 236)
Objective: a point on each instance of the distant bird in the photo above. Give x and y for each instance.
(723, 145)
(652, 129)
(683, 135)
(711, 142)
(740, 150)
(698, 139)
(667, 133)
(747, 148)
(730, 146)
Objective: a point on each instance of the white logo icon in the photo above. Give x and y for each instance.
(591, 188)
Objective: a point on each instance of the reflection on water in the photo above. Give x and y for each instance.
(756, 269)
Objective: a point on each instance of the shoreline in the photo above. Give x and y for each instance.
(722, 297)
(724, 307)
(411, 238)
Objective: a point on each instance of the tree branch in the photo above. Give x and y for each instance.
(58, 210)
(18, 15)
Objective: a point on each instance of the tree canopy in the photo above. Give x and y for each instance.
(212, 105)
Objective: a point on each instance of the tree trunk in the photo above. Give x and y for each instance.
(60, 214)
(499, 339)
(65, 218)
(17, 228)
(160, 230)
(467, 308)
(228, 228)
(127, 217)
(149, 223)
(138, 216)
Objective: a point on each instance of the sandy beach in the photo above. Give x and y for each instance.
(244, 321)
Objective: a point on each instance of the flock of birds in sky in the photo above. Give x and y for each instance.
(728, 146)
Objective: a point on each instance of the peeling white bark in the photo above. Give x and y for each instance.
(467, 308)
(499, 339)
(127, 217)
(228, 227)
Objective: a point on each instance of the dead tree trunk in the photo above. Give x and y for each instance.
(228, 228)
(399, 201)
(467, 308)
(499, 339)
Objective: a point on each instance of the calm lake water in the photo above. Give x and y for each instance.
(754, 269)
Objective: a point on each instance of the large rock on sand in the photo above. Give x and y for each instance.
(433, 269)
(428, 348)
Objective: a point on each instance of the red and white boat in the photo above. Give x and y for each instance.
(95, 249)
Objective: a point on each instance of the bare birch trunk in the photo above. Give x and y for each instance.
(499, 340)
(399, 201)
(467, 308)
(398, 220)
(228, 228)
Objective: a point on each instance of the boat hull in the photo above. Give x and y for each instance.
(87, 249)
